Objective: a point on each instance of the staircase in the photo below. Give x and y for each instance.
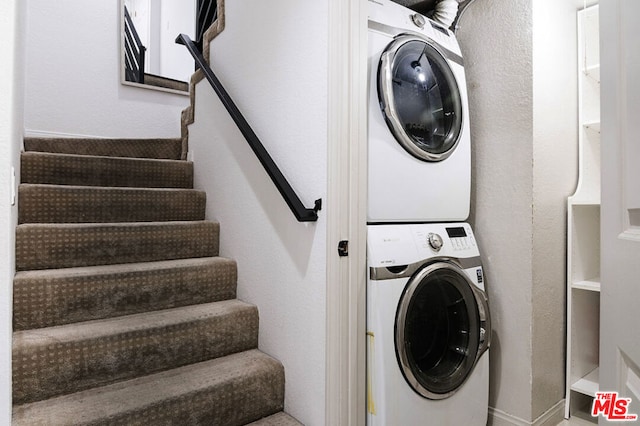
(124, 314)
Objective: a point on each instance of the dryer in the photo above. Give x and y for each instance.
(419, 160)
(428, 326)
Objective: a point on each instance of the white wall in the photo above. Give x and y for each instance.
(11, 107)
(73, 74)
(521, 71)
(272, 58)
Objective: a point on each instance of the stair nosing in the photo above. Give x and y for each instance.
(99, 138)
(111, 188)
(85, 156)
(116, 268)
(116, 224)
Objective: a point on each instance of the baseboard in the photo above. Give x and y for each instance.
(30, 133)
(551, 417)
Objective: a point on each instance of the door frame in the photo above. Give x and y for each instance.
(12, 71)
(346, 213)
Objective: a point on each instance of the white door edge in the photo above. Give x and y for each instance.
(346, 207)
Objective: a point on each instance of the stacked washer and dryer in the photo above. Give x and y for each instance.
(428, 322)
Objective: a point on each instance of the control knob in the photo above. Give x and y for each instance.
(435, 241)
(418, 20)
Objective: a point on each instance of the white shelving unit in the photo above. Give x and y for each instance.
(583, 235)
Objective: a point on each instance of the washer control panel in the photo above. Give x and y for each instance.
(454, 239)
(390, 245)
(436, 242)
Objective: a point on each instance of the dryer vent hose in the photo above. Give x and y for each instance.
(445, 12)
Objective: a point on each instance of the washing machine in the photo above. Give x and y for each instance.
(428, 326)
(419, 160)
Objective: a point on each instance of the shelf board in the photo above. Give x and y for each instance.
(592, 284)
(584, 202)
(589, 384)
(593, 72)
(592, 125)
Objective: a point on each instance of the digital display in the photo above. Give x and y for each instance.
(456, 232)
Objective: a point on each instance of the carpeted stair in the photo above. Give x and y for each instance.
(123, 312)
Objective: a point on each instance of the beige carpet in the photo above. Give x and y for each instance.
(124, 314)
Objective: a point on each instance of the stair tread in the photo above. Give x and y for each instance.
(177, 391)
(278, 419)
(96, 329)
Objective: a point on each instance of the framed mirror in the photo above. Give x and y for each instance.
(150, 58)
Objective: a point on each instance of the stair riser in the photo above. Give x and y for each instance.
(64, 204)
(67, 246)
(54, 368)
(104, 171)
(170, 149)
(50, 299)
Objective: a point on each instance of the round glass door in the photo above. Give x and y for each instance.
(437, 330)
(419, 97)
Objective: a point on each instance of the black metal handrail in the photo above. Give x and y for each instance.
(301, 213)
(134, 51)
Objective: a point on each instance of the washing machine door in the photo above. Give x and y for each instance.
(420, 98)
(442, 328)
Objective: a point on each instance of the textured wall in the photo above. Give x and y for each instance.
(555, 151)
(73, 76)
(496, 41)
(11, 85)
(277, 75)
(521, 69)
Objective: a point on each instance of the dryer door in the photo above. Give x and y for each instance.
(419, 97)
(439, 330)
